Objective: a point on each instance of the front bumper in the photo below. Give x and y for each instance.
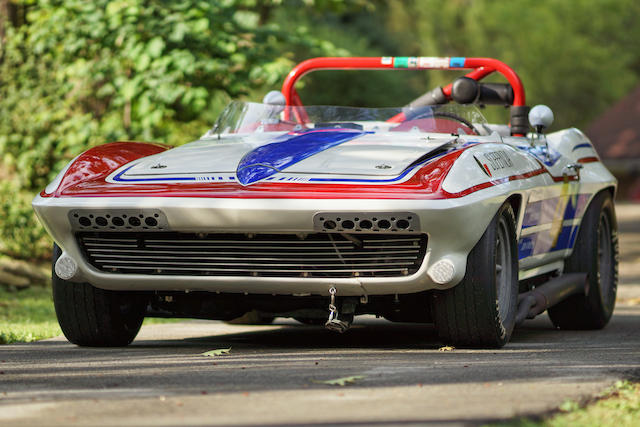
(453, 227)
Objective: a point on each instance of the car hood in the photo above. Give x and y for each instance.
(255, 157)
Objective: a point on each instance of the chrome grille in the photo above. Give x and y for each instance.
(258, 255)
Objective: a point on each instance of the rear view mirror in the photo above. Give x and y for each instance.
(540, 117)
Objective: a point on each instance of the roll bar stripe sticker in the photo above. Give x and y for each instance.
(456, 62)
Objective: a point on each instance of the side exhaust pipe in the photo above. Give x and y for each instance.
(534, 302)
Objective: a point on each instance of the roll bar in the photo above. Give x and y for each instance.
(481, 67)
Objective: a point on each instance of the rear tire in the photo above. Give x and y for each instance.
(480, 311)
(95, 317)
(595, 253)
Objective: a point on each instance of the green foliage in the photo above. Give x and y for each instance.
(27, 315)
(21, 235)
(617, 407)
(578, 57)
(75, 74)
(80, 73)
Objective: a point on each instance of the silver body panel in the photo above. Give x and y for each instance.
(453, 225)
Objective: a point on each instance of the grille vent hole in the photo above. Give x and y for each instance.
(134, 221)
(384, 224)
(150, 221)
(402, 223)
(329, 225)
(366, 224)
(84, 221)
(117, 221)
(101, 221)
(348, 224)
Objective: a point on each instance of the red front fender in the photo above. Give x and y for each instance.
(99, 162)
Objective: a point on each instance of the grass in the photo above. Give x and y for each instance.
(27, 315)
(617, 407)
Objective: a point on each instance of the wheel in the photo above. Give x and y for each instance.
(94, 317)
(447, 115)
(595, 253)
(480, 311)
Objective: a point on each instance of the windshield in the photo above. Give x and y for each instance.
(250, 117)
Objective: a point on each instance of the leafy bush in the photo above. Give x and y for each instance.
(80, 73)
(21, 235)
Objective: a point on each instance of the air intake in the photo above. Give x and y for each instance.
(255, 255)
(117, 219)
(361, 222)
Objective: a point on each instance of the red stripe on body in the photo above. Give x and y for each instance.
(425, 184)
(588, 160)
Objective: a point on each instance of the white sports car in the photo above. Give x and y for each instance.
(423, 213)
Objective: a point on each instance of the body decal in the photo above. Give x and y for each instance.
(544, 154)
(583, 145)
(560, 235)
(289, 149)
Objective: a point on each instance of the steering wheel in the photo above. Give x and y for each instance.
(447, 115)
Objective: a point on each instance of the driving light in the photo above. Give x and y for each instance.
(442, 271)
(66, 268)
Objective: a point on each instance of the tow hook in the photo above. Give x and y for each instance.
(339, 322)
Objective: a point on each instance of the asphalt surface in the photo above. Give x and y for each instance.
(273, 374)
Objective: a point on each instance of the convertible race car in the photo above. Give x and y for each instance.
(423, 213)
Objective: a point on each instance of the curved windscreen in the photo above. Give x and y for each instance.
(249, 117)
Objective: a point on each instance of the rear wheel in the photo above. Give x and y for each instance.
(595, 253)
(480, 311)
(93, 317)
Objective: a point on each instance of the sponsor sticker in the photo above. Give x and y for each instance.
(498, 160)
(386, 60)
(433, 62)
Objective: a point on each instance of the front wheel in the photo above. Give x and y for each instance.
(93, 317)
(480, 311)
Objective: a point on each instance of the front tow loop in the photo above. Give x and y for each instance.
(339, 321)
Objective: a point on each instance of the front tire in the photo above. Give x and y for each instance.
(93, 317)
(480, 311)
(595, 253)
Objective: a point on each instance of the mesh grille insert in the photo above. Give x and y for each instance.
(258, 255)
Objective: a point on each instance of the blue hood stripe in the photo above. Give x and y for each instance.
(289, 149)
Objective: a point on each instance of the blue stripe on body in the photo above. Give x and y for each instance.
(540, 213)
(585, 145)
(288, 150)
(548, 156)
(535, 244)
(119, 178)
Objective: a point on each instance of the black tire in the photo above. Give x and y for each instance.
(595, 253)
(93, 317)
(480, 311)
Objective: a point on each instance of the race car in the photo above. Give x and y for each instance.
(422, 213)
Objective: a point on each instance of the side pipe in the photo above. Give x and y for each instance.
(537, 300)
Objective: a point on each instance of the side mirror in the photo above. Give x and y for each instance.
(274, 97)
(275, 102)
(540, 117)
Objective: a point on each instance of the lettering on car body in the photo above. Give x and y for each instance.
(498, 160)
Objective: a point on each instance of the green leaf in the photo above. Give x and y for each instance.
(218, 352)
(155, 47)
(340, 381)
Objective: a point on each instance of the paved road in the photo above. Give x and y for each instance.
(270, 376)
